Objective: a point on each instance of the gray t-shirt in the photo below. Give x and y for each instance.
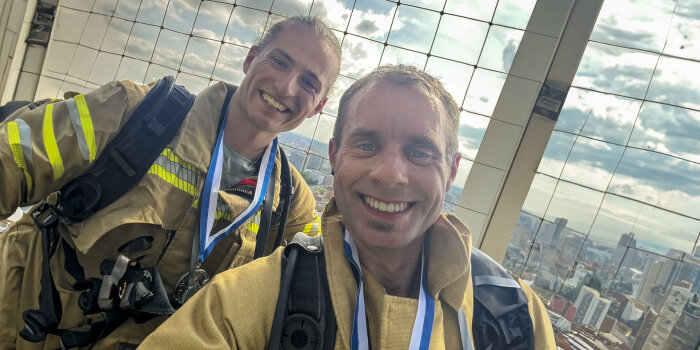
(236, 168)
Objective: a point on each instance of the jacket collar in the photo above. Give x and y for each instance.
(449, 248)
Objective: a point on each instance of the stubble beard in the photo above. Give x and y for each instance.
(381, 225)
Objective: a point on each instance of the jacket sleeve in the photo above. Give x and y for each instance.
(544, 334)
(302, 211)
(41, 149)
(234, 311)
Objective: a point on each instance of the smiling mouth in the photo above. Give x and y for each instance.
(273, 103)
(386, 207)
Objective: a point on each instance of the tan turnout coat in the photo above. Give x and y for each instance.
(225, 315)
(40, 151)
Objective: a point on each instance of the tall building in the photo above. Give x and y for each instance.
(645, 329)
(549, 233)
(669, 315)
(657, 276)
(590, 307)
(626, 241)
(686, 332)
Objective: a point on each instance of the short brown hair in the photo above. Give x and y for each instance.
(407, 76)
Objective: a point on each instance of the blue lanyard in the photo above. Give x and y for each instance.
(422, 327)
(210, 193)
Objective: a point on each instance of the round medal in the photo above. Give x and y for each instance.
(183, 292)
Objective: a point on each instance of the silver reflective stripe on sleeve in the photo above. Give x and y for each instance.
(464, 331)
(495, 281)
(25, 139)
(78, 127)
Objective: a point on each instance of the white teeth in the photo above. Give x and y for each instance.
(385, 207)
(271, 101)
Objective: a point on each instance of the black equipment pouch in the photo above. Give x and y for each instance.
(501, 318)
(125, 289)
(304, 317)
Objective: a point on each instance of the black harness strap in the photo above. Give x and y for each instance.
(265, 217)
(304, 317)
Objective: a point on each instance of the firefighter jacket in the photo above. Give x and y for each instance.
(236, 310)
(43, 148)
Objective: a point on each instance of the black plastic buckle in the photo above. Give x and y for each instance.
(45, 216)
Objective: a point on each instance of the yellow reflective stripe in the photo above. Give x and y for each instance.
(51, 145)
(168, 153)
(86, 122)
(223, 214)
(172, 179)
(313, 228)
(17, 154)
(253, 227)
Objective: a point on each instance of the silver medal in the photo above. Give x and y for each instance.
(183, 292)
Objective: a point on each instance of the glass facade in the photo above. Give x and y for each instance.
(614, 203)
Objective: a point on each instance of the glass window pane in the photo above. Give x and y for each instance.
(105, 68)
(675, 82)
(500, 47)
(317, 174)
(82, 5)
(591, 163)
(69, 24)
(133, 69)
(574, 112)
(212, 19)
(395, 55)
(414, 28)
(244, 26)
(578, 205)
(614, 69)
(127, 9)
(291, 7)
(181, 14)
(455, 76)
(264, 5)
(142, 41)
(451, 41)
(194, 84)
(664, 232)
(323, 134)
(341, 84)
(617, 218)
(200, 56)
(82, 63)
(684, 35)
(435, 5)
(116, 36)
(301, 137)
(360, 56)
(452, 196)
(295, 156)
(668, 129)
(476, 9)
(372, 19)
(472, 128)
(539, 195)
(229, 64)
(334, 13)
(556, 153)
(665, 181)
(170, 48)
(634, 24)
(156, 72)
(520, 243)
(94, 31)
(514, 13)
(610, 118)
(58, 56)
(48, 87)
(105, 7)
(484, 90)
(152, 11)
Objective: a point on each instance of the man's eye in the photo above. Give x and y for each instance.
(420, 156)
(278, 62)
(308, 84)
(367, 147)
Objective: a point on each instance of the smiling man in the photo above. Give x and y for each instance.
(215, 189)
(399, 274)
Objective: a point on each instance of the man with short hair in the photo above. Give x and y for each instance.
(195, 213)
(398, 272)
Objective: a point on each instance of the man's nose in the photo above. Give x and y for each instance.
(286, 84)
(390, 169)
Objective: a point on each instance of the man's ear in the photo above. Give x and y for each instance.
(453, 170)
(249, 58)
(318, 108)
(331, 154)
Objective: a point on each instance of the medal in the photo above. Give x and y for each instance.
(183, 291)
